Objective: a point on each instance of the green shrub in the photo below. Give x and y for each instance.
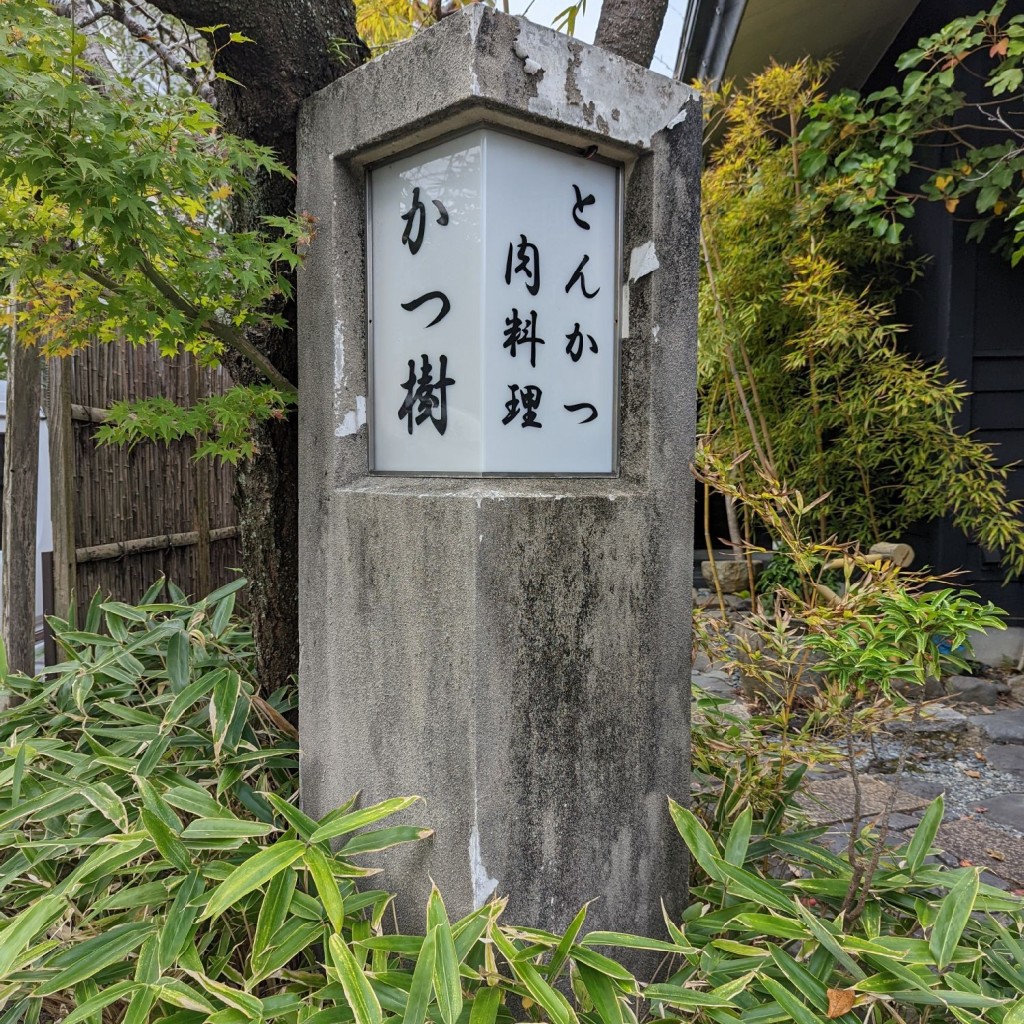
(930, 944)
(154, 867)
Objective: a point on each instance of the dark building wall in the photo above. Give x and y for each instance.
(968, 311)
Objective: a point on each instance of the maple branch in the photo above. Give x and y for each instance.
(225, 333)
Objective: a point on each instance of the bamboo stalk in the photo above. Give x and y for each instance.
(139, 545)
(88, 414)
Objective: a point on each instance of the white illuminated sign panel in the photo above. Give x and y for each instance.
(493, 310)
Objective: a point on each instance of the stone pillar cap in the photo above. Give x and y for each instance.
(480, 66)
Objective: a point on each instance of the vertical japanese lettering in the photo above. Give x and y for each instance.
(526, 401)
(522, 332)
(578, 276)
(575, 346)
(428, 396)
(580, 206)
(416, 221)
(526, 262)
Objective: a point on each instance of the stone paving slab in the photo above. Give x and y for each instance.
(1007, 809)
(1004, 727)
(1006, 757)
(969, 839)
(830, 801)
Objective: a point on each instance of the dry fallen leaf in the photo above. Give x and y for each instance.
(980, 756)
(971, 773)
(965, 863)
(996, 854)
(840, 1002)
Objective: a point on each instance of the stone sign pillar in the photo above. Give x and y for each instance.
(497, 336)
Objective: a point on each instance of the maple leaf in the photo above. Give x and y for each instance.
(999, 49)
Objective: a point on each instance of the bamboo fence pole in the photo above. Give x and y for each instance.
(21, 487)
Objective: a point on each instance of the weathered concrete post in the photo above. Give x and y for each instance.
(496, 617)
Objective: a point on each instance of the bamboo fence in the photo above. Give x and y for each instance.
(133, 515)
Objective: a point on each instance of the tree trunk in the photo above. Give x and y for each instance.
(21, 488)
(631, 28)
(290, 57)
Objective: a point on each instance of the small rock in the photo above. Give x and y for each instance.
(1006, 727)
(1016, 686)
(732, 574)
(898, 822)
(1006, 757)
(701, 662)
(972, 690)
(1007, 810)
(936, 722)
(922, 787)
(716, 683)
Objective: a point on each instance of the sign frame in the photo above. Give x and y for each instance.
(618, 263)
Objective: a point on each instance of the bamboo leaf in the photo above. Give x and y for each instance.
(924, 835)
(304, 825)
(169, 845)
(552, 1001)
(384, 839)
(326, 886)
(17, 935)
(696, 836)
(258, 869)
(485, 1006)
(602, 994)
(422, 981)
(447, 984)
(800, 1013)
(359, 819)
(358, 991)
(954, 912)
(101, 1001)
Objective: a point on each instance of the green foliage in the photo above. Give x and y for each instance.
(863, 148)
(153, 859)
(565, 21)
(930, 942)
(155, 867)
(382, 23)
(893, 637)
(747, 764)
(114, 207)
(222, 422)
(799, 363)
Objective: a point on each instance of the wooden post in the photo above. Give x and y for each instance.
(201, 510)
(21, 484)
(62, 484)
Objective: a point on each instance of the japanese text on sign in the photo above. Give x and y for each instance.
(494, 340)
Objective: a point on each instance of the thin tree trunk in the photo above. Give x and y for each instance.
(21, 486)
(631, 28)
(297, 48)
